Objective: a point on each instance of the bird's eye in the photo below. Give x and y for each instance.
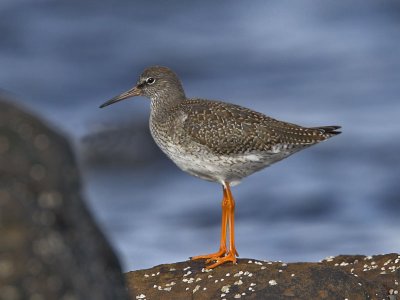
(150, 80)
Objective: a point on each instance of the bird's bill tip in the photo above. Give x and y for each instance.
(135, 91)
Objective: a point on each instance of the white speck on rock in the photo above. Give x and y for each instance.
(263, 267)
(239, 282)
(253, 284)
(237, 296)
(172, 269)
(329, 258)
(225, 288)
(146, 275)
(141, 296)
(272, 282)
(293, 275)
(187, 268)
(196, 289)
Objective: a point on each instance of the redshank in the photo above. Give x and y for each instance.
(217, 141)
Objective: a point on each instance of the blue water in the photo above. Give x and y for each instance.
(307, 62)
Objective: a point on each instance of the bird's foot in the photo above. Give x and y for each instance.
(218, 258)
(231, 256)
(211, 257)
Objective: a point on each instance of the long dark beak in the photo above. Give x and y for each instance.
(135, 91)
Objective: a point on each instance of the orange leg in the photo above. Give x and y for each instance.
(228, 219)
(222, 248)
(231, 255)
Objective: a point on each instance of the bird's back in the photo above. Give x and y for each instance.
(232, 129)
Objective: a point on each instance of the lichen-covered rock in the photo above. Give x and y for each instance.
(50, 247)
(341, 277)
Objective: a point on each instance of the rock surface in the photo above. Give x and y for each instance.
(342, 277)
(50, 248)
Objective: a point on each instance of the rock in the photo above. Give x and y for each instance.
(343, 277)
(121, 145)
(50, 247)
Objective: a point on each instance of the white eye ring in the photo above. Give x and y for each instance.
(150, 80)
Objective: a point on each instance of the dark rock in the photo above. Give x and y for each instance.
(342, 277)
(122, 145)
(50, 248)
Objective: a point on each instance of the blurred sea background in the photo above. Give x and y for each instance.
(307, 62)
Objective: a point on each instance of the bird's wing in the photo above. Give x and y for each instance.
(226, 128)
(231, 129)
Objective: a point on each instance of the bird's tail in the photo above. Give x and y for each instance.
(328, 130)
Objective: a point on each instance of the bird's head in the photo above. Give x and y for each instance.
(155, 83)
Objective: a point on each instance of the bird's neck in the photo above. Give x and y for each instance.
(162, 104)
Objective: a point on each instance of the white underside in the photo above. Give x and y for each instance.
(222, 168)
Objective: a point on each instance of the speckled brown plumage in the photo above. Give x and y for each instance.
(231, 129)
(215, 140)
